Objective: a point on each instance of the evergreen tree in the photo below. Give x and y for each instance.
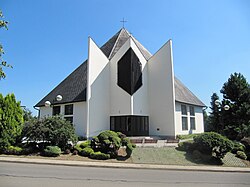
(215, 116)
(11, 120)
(236, 93)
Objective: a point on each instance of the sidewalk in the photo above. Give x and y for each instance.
(123, 165)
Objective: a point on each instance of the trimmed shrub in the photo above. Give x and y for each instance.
(77, 148)
(213, 144)
(99, 156)
(241, 154)
(109, 142)
(187, 146)
(238, 147)
(85, 144)
(13, 150)
(246, 142)
(86, 151)
(52, 151)
(197, 154)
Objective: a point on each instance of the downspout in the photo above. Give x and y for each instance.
(38, 111)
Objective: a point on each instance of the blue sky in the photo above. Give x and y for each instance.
(47, 39)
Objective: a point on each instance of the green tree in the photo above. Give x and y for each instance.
(236, 93)
(27, 115)
(53, 131)
(214, 122)
(11, 120)
(3, 63)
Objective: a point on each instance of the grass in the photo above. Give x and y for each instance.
(164, 155)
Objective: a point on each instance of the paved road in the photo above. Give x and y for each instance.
(25, 175)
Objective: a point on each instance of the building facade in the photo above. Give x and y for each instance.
(122, 87)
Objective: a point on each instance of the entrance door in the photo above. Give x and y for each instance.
(130, 125)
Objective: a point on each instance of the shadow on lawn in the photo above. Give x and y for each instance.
(203, 159)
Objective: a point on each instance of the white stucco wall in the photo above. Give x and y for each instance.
(140, 97)
(161, 92)
(79, 116)
(199, 122)
(98, 91)
(123, 103)
(120, 101)
(45, 112)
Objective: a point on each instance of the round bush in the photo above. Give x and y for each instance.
(238, 147)
(241, 154)
(99, 156)
(85, 144)
(52, 151)
(13, 150)
(188, 146)
(86, 151)
(213, 144)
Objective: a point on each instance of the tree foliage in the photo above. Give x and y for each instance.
(53, 131)
(11, 120)
(234, 123)
(214, 123)
(27, 115)
(236, 93)
(3, 63)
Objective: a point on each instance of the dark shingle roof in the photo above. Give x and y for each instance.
(184, 95)
(73, 88)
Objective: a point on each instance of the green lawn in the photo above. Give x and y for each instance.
(171, 156)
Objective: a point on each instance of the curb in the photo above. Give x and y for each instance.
(124, 165)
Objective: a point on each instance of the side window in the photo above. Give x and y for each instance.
(56, 110)
(68, 109)
(68, 113)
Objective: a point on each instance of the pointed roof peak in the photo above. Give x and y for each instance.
(111, 47)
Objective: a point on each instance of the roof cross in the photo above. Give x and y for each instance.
(123, 22)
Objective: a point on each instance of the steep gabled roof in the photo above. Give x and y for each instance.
(73, 88)
(184, 95)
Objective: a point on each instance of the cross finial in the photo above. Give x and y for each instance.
(123, 22)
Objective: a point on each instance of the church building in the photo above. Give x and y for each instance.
(122, 87)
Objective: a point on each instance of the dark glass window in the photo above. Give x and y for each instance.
(130, 125)
(56, 110)
(184, 123)
(68, 110)
(70, 119)
(129, 72)
(192, 123)
(191, 110)
(183, 109)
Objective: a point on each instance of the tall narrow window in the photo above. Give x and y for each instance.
(56, 110)
(68, 112)
(184, 123)
(183, 109)
(191, 110)
(184, 118)
(192, 118)
(192, 123)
